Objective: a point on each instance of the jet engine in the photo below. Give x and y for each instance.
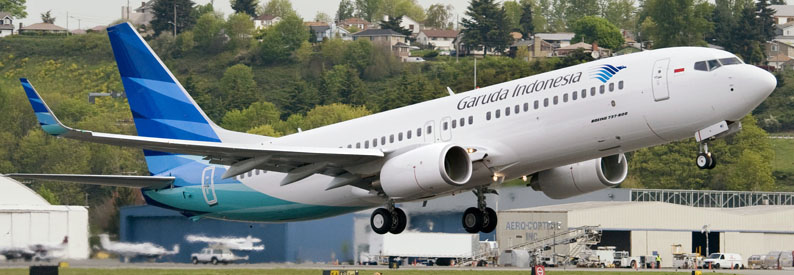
(427, 170)
(580, 178)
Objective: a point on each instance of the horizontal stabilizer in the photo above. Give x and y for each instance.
(106, 180)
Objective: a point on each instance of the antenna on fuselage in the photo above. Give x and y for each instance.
(450, 91)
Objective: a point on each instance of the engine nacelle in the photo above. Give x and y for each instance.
(427, 170)
(580, 178)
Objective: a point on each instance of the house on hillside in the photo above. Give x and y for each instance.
(535, 50)
(6, 24)
(783, 13)
(587, 48)
(411, 25)
(142, 15)
(557, 40)
(356, 22)
(385, 37)
(439, 39)
(266, 21)
(325, 31)
(43, 28)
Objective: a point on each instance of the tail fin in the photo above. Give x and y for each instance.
(160, 105)
(104, 240)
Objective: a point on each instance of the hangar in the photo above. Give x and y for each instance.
(26, 219)
(643, 228)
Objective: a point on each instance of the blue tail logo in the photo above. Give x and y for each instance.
(605, 72)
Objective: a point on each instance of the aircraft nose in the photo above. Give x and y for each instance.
(766, 81)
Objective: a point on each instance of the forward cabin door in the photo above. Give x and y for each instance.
(208, 185)
(660, 90)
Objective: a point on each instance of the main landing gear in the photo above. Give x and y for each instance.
(705, 160)
(389, 219)
(480, 218)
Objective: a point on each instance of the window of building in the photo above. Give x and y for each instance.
(620, 85)
(611, 87)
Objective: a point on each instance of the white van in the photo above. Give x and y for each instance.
(724, 260)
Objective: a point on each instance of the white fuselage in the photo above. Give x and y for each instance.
(657, 98)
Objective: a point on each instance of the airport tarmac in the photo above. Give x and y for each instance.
(116, 264)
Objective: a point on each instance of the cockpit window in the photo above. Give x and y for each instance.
(730, 61)
(713, 64)
(701, 66)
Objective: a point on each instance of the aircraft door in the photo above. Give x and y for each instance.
(430, 132)
(208, 185)
(446, 129)
(660, 90)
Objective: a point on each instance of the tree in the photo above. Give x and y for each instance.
(283, 39)
(368, 9)
(438, 16)
(240, 29)
(259, 113)
(513, 15)
(591, 28)
(747, 39)
(238, 86)
(620, 13)
(47, 17)
(724, 24)
(677, 22)
(766, 20)
(397, 8)
(323, 17)
(577, 9)
(164, 16)
(207, 32)
(525, 23)
(15, 7)
(394, 24)
(245, 6)
(778, 2)
(485, 26)
(346, 10)
(280, 8)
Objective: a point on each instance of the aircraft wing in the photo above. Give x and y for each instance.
(242, 157)
(106, 180)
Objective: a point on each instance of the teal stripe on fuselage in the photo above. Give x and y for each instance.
(239, 202)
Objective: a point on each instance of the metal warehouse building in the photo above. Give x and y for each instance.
(27, 219)
(643, 228)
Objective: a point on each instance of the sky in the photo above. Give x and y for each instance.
(90, 13)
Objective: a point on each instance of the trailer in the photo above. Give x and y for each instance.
(425, 248)
(603, 256)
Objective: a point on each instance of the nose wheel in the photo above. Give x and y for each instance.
(481, 218)
(384, 221)
(705, 159)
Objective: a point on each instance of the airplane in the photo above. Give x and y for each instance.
(131, 250)
(564, 131)
(35, 252)
(233, 243)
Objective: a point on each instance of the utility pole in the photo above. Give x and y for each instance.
(128, 10)
(174, 18)
(67, 23)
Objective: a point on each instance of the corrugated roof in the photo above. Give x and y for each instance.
(14, 193)
(378, 32)
(783, 10)
(440, 33)
(555, 36)
(43, 27)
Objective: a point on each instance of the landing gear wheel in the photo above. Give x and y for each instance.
(472, 220)
(703, 161)
(381, 221)
(489, 223)
(399, 221)
(713, 162)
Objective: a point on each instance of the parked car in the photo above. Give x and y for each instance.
(756, 261)
(215, 256)
(413, 59)
(723, 260)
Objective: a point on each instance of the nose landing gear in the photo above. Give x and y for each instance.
(705, 159)
(390, 219)
(480, 218)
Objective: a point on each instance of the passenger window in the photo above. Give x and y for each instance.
(574, 95)
(497, 114)
(517, 109)
(408, 134)
(620, 85)
(400, 136)
(611, 87)
(250, 173)
(358, 145)
(429, 130)
(375, 142)
(488, 115)
(445, 126)
(454, 123)
(713, 64)
(462, 121)
(418, 132)
(366, 144)
(592, 91)
(349, 146)
(507, 111)
(391, 138)
(584, 93)
(546, 102)
(565, 98)
(526, 106)
(257, 172)
(701, 66)
(555, 100)
(383, 140)
(537, 105)
(601, 89)
(471, 120)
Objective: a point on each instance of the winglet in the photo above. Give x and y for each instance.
(44, 114)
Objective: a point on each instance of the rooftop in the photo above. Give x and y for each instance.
(354, 21)
(4, 14)
(265, 17)
(783, 10)
(42, 27)
(378, 32)
(555, 36)
(440, 33)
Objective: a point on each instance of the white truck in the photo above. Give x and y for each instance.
(623, 259)
(603, 256)
(723, 260)
(425, 248)
(216, 255)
